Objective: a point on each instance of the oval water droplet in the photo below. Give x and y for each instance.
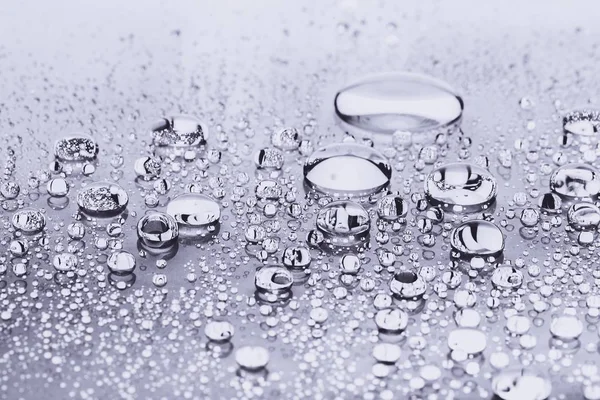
(76, 148)
(273, 280)
(195, 213)
(582, 122)
(583, 216)
(252, 357)
(575, 181)
(477, 238)
(102, 199)
(467, 340)
(521, 385)
(461, 187)
(179, 131)
(392, 207)
(347, 170)
(399, 101)
(343, 222)
(29, 220)
(121, 263)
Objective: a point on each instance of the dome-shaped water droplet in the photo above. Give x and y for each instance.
(121, 263)
(296, 257)
(76, 148)
(102, 199)
(391, 320)
(399, 101)
(583, 216)
(408, 285)
(347, 170)
(57, 187)
(461, 187)
(575, 181)
(157, 229)
(392, 207)
(269, 159)
(252, 357)
(507, 277)
(29, 220)
(521, 385)
(147, 168)
(179, 131)
(65, 262)
(219, 331)
(343, 222)
(194, 212)
(467, 340)
(477, 238)
(273, 280)
(566, 327)
(582, 122)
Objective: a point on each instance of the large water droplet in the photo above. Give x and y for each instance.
(347, 170)
(343, 222)
(76, 148)
(461, 187)
(157, 229)
(575, 181)
(194, 212)
(521, 385)
(408, 285)
(467, 340)
(582, 122)
(399, 101)
(102, 199)
(121, 263)
(583, 216)
(179, 131)
(252, 357)
(29, 220)
(477, 238)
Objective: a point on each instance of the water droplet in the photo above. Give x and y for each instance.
(252, 357)
(194, 212)
(269, 159)
(219, 331)
(179, 131)
(348, 170)
(157, 229)
(408, 285)
(121, 263)
(343, 222)
(102, 199)
(273, 280)
(391, 320)
(286, 139)
(10, 189)
(392, 207)
(582, 122)
(566, 327)
(29, 220)
(387, 353)
(57, 187)
(461, 187)
(147, 168)
(521, 385)
(467, 340)
(399, 101)
(507, 277)
(477, 238)
(65, 262)
(296, 257)
(575, 181)
(76, 148)
(583, 216)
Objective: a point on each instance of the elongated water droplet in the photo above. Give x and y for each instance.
(179, 131)
(102, 199)
(521, 385)
(575, 181)
(399, 101)
(583, 216)
(194, 212)
(461, 187)
(76, 148)
(347, 170)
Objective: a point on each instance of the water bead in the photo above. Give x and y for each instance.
(147, 168)
(157, 229)
(29, 220)
(194, 210)
(477, 238)
(269, 159)
(392, 207)
(582, 122)
(583, 216)
(521, 385)
(467, 340)
(408, 285)
(296, 257)
(391, 320)
(461, 187)
(252, 357)
(343, 222)
(76, 148)
(57, 187)
(399, 101)
(273, 280)
(102, 199)
(347, 170)
(575, 181)
(121, 263)
(179, 131)
(219, 331)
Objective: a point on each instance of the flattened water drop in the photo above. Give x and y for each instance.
(575, 181)
(399, 101)
(76, 148)
(29, 220)
(582, 122)
(477, 238)
(194, 212)
(347, 170)
(343, 222)
(521, 385)
(179, 131)
(102, 199)
(461, 187)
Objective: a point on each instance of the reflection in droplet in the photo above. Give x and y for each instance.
(196, 213)
(76, 148)
(582, 122)
(102, 199)
(347, 170)
(477, 238)
(521, 385)
(179, 131)
(343, 222)
(583, 216)
(29, 220)
(575, 181)
(461, 187)
(399, 101)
